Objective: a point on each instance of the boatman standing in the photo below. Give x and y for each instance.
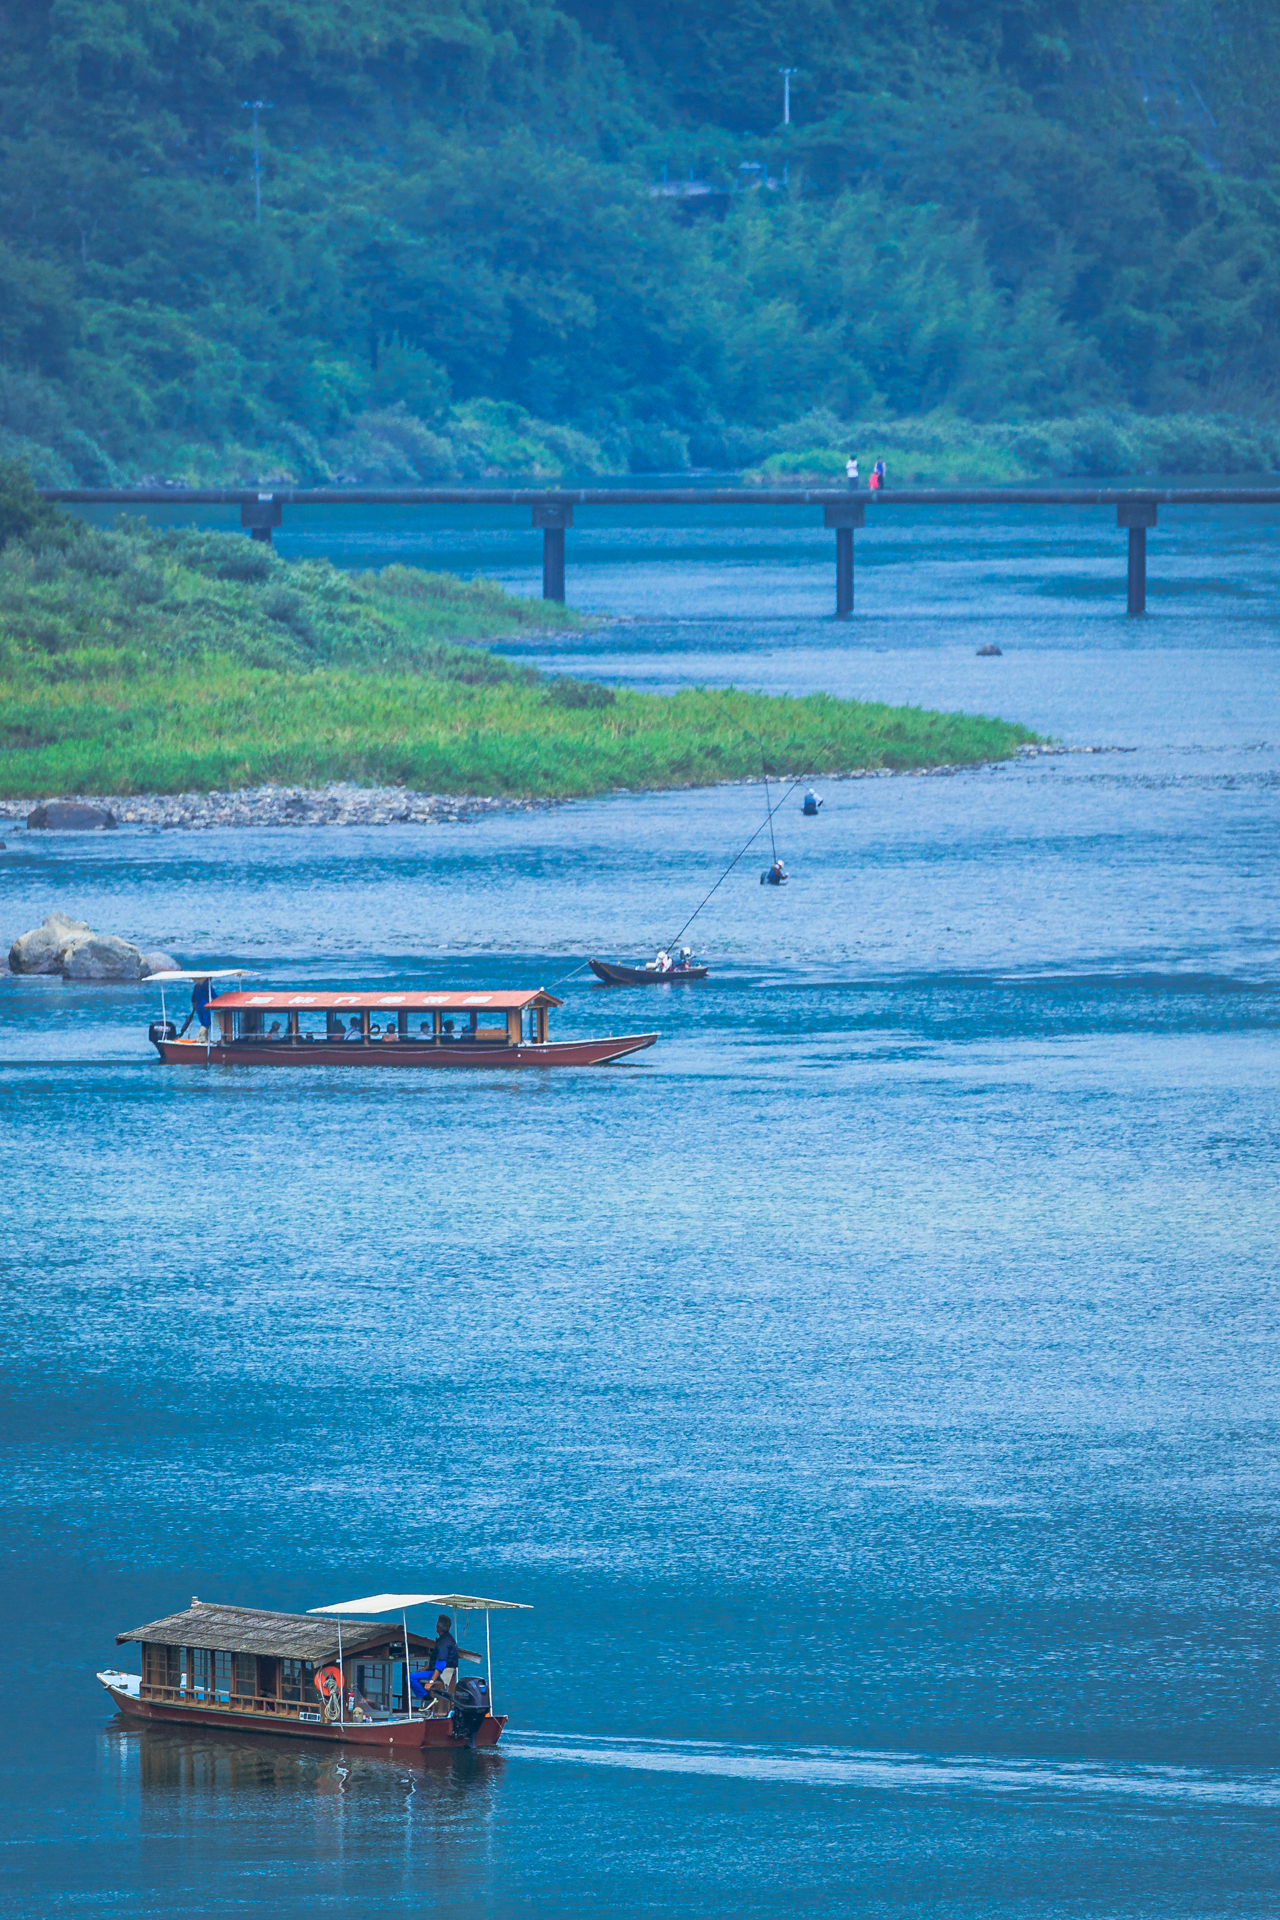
(201, 995)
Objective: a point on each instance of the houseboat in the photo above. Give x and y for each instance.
(335, 1674)
(235, 1027)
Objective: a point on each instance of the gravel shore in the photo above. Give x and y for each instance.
(341, 805)
(332, 806)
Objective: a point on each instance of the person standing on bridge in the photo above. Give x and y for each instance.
(851, 471)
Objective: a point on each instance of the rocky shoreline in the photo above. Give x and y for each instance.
(335, 805)
(342, 805)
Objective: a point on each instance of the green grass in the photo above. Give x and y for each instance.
(136, 662)
(939, 450)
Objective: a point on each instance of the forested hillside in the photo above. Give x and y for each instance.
(1030, 211)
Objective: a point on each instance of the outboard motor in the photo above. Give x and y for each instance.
(470, 1709)
(161, 1030)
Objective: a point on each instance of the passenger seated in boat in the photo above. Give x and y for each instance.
(424, 1028)
(275, 1030)
(663, 961)
(355, 1033)
(448, 1029)
(392, 1032)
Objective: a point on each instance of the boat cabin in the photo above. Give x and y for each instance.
(245, 1661)
(253, 1020)
(380, 1019)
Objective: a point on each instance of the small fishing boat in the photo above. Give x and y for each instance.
(240, 1028)
(651, 974)
(370, 1685)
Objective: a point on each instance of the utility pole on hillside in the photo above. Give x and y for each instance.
(787, 73)
(256, 106)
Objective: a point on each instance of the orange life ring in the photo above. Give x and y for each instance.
(328, 1682)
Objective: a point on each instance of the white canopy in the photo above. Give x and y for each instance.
(401, 1602)
(201, 973)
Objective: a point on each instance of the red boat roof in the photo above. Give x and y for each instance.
(412, 1002)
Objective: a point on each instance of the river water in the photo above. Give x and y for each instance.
(872, 1388)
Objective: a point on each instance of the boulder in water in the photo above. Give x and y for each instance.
(157, 961)
(101, 956)
(70, 816)
(41, 950)
(990, 652)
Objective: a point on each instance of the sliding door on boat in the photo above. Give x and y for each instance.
(220, 1674)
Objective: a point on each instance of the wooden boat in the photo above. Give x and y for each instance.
(378, 1030)
(302, 1674)
(616, 975)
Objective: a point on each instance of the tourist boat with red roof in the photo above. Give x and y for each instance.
(371, 1029)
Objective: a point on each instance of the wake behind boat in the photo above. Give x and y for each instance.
(372, 1029)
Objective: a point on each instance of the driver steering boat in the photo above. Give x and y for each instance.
(335, 1673)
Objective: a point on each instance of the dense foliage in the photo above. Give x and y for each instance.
(1034, 209)
(134, 661)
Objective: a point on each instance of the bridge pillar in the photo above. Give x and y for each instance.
(261, 515)
(1137, 515)
(844, 518)
(553, 519)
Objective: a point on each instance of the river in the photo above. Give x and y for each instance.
(872, 1388)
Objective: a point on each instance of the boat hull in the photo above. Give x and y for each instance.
(400, 1736)
(402, 1053)
(615, 975)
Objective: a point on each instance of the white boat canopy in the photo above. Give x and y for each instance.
(200, 973)
(400, 1602)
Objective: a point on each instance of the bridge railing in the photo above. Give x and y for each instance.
(843, 509)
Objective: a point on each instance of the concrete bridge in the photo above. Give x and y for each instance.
(843, 510)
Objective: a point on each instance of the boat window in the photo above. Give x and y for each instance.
(200, 1669)
(246, 1672)
(296, 1680)
(162, 1666)
(373, 1678)
(221, 1674)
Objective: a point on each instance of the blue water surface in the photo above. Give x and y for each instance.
(872, 1388)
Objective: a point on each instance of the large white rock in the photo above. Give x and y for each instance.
(40, 950)
(158, 961)
(102, 957)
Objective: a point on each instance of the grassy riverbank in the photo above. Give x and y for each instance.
(137, 661)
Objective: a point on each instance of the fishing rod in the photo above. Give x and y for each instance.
(766, 822)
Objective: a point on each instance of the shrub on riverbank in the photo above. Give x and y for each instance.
(137, 661)
(941, 450)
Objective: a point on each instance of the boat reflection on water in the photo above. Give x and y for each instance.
(206, 1760)
(391, 1829)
